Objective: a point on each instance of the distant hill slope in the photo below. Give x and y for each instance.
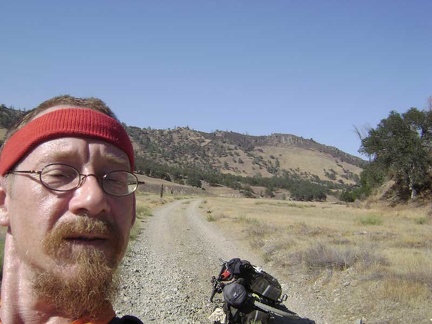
(8, 116)
(237, 154)
(245, 155)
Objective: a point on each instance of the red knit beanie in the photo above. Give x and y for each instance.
(64, 122)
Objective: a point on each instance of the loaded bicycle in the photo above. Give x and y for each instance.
(250, 295)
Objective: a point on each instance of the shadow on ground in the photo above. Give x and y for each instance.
(284, 320)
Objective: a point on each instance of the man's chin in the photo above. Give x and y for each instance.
(79, 289)
(83, 277)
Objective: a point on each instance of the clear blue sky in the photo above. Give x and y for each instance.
(315, 69)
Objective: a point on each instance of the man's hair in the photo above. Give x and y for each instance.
(64, 100)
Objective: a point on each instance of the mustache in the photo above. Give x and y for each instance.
(83, 225)
(57, 241)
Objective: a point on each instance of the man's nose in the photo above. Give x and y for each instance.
(83, 178)
(90, 196)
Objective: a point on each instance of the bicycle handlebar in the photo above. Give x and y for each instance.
(216, 281)
(215, 288)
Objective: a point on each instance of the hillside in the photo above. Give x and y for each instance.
(245, 155)
(174, 154)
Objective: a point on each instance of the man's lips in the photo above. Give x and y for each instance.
(86, 238)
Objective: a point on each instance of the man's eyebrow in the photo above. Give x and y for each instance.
(118, 160)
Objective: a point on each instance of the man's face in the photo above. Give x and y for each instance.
(55, 231)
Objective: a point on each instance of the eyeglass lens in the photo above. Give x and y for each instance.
(63, 177)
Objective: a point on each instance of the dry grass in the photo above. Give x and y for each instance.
(143, 210)
(387, 252)
(308, 161)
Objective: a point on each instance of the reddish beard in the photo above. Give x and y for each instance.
(88, 291)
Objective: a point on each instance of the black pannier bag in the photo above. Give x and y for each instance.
(256, 281)
(235, 294)
(238, 268)
(265, 285)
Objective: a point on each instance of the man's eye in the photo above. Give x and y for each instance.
(114, 182)
(58, 174)
(55, 177)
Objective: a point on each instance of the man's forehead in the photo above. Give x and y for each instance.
(76, 147)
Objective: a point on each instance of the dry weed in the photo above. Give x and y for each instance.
(211, 217)
(322, 256)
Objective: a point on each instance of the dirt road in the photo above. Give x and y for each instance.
(166, 275)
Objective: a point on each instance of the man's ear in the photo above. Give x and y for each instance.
(4, 213)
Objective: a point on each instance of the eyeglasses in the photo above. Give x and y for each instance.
(63, 177)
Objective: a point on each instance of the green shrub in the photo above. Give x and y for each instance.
(420, 220)
(371, 219)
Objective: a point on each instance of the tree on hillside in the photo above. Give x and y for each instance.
(193, 179)
(400, 148)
